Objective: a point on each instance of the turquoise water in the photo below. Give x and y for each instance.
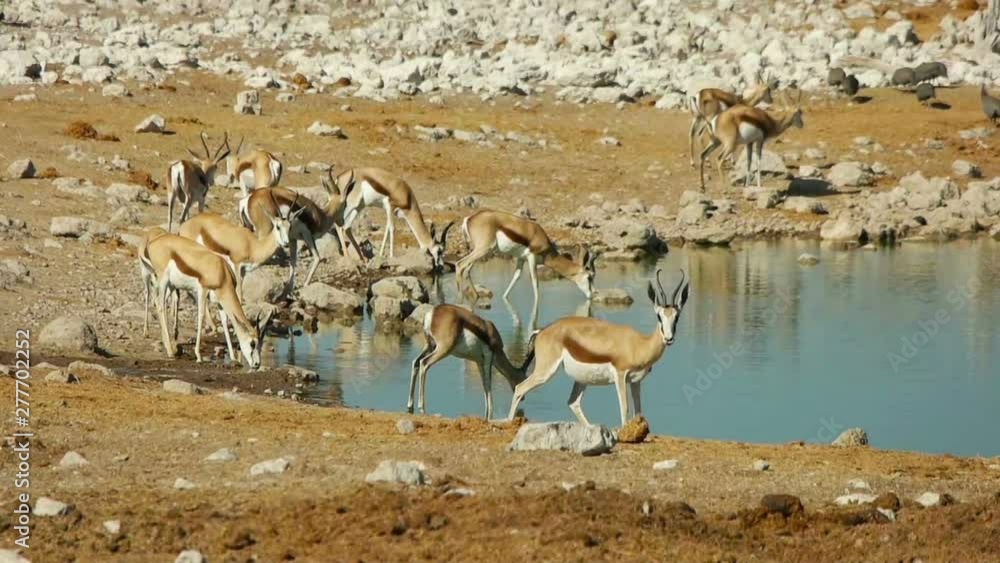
(901, 342)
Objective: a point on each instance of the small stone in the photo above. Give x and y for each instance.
(153, 124)
(46, 506)
(405, 426)
(583, 439)
(61, 376)
(609, 141)
(390, 471)
(612, 296)
(22, 168)
(965, 169)
(807, 259)
(852, 437)
(190, 556)
(859, 484)
(666, 465)
(72, 460)
(69, 333)
(761, 465)
(460, 492)
(854, 498)
(323, 130)
(182, 484)
(930, 499)
(182, 387)
(224, 454)
(112, 526)
(285, 97)
(248, 103)
(269, 467)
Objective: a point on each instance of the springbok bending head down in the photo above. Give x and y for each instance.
(189, 180)
(596, 352)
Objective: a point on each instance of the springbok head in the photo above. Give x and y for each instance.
(282, 220)
(439, 241)
(668, 313)
(252, 338)
(210, 162)
(584, 278)
(343, 201)
(233, 159)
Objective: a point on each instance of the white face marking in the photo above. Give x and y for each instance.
(667, 317)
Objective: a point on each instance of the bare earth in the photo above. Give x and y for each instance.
(320, 509)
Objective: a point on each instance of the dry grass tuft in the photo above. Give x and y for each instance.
(191, 120)
(142, 178)
(301, 82)
(48, 174)
(84, 130)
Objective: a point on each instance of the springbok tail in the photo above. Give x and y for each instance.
(530, 357)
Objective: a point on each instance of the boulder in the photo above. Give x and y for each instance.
(612, 296)
(76, 227)
(190, 556)
(323, 130)
(843, 230)
(851, 437)
(269, 467)
(69, 333)
(627, 233)
(771, 166)
(399, 287)
(248, 103)
(72, 460)
(61, 376)
(801, 204)
(128, 192)
(181, 387)
(263, 285)
(807, 259)
(152, 124)
(222, 455)
(331, 300)
(87, 369)
(583, 439)
(405, 472)
(850, 174)
(965, 169)
(21, 168)
(389, 310)
(930, 499)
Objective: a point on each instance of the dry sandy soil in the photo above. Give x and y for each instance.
(320, 509)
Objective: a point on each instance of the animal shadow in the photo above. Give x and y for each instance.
(940, 105)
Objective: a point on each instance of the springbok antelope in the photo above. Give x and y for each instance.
(176, 263)
(311, 221)
(596, 352)
(238, 245)
(453, 331)
(254, 170)
(709, 102)
(368, 187)
(743, 125)
(525, 241)
(189, 180)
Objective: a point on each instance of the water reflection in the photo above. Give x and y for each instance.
(899, 341)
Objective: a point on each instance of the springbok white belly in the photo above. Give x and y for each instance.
(179, 280)
(750, 133)
(248, 179)
(275, 168)
(597, 374)
(369, 195)
(507, 246)
(469, 346)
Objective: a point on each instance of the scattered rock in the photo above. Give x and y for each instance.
(223, 454)
(405, 472)
(112, 527)
(46, 506)
(323, 130)
(331, 300)
(263, 285)
(930, 499)
(610, 141)
(190, 556)
(612, 296)
(405, 426)
(152, 124)
(859, 484)
(850, 174)
(844, 231)
(182, 484)
(852, 437)
(248, 103)
(181, 387)
(87, 369)
(771, 166)
(69, 333)
(807, 259)
(854, 498)
(801, 204)
(634, 431)
(61, 376)
(77, 227)
(72, 460)
(965, 169)
(564, 436)
(269, 467)
(666, 465)
(761, 465)
(22, 168)
(400, 287)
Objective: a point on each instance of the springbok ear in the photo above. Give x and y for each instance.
(295, 214)
(262, 326)
(433, 232)
(653, 296)
(685, 293)
(350, 184)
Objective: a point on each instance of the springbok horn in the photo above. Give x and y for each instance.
(444, 233)
(239, 147)
(204, 143)
(659, 285)
(223, 145)
(673, 300)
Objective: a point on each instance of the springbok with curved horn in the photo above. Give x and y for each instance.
(525, 241)
(255, 170)
(709, 102)
(368, 187)
(743, 125)
(189, 180)
(596, 352)
(237, 244)
(453, 331)
(176, 263)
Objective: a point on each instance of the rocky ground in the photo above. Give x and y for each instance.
(565, 113)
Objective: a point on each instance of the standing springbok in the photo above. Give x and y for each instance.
(709, 102)
(254, 170)
(743, 125)
(453, 331)
(189, 180)
(178, 263)
(367, 187)
(596, 352)
(525, 241)
(237, 244)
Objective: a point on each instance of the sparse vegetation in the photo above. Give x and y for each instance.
(48, 174)
(84, 130)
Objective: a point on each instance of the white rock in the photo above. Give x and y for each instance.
(850, 174)
(761, 465)
(12, 556)
(405, 426)
(190, 556)
(406, 472)
(248, 103)
(564, 436)
(855, 498)
(182, 484)
(22, 168)
(46, 506)
(610, 141)
(72, 460)
(666, 464)
(181, 387)
(323, 130)
(852, 437)
(930, 499)
(807, 259)
(859, 484)
(965, 169)
(224, 454)
(269, 467)
(112, 526)
(152, 124)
